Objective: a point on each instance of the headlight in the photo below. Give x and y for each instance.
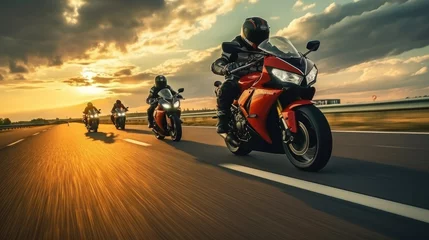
(166, 105)
(287, 76)
(311, 76)
(177, 104)
(96, 115)
(91, 116)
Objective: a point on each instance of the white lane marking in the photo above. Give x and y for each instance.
(137, 142)
(410, 148)
(416, 213)
(382, 132)
(11, 144)
(37, 133)
(45, 130)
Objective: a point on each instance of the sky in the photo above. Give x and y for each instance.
(55, 56)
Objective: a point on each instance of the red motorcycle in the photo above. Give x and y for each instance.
(274, 112)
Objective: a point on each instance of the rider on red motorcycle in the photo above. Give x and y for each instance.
(160, 83)
(254, 31)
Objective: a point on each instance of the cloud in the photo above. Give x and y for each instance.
(382, 75)
(15, 68)
(77, 82)
(1, 77)
(85, 31)
(422, 70)
(275, 18)
(19, 77)
(28, 87)
(300, 5)
(123, 72)
(340, 30)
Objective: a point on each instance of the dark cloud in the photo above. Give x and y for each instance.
(38, 28)
(19, 77)
(15, 68)
(77, 82)
(1, 77)
(102, 80)
(27, 87)
(123, 72)
(137, 78)
(377, 29)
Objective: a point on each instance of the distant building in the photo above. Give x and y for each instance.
(326, 101)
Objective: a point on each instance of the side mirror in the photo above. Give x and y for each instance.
(313, 45)
(180, 90)
(231, 47)
(217, 83)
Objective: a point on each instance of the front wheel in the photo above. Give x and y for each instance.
(176, 131)
(311, 147)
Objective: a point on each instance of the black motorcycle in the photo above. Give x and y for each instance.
(167, 120)
(119, 117)
(92, 120)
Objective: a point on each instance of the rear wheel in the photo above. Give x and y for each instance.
(311, 147)
(176, 132)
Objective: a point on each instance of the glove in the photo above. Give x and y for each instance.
(229, 67)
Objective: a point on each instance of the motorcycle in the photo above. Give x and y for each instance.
(167, 120)
(92, 120)
(119, 117)
(274, 112)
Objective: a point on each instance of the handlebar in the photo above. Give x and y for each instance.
(247, 65)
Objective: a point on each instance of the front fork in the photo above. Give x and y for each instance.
(287, 134)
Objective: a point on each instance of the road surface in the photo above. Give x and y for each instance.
(60, 182)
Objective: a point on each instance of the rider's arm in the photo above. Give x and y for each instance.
(151, 95)
(219, 65)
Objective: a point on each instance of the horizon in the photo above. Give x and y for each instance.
(115, 53)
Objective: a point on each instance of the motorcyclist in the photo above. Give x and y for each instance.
(88, 108)
(160, 83)
(253, 31)
(117, 104)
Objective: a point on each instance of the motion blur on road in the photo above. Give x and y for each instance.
(61, 182)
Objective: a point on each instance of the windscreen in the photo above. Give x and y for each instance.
(165, 93)
(280, 47)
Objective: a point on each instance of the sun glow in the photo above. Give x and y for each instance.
(88, 74)
(90, 90)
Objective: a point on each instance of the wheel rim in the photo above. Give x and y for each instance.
(304, 145)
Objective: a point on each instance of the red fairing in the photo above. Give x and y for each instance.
(247, 81)
(159, 115)
(289, 114)
(261, 101)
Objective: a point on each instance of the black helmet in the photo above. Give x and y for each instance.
(118, 101)
(160, 81)
(254, 31)
(89, 104)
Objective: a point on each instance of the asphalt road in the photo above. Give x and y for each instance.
(65, 183)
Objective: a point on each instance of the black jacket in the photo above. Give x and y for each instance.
(153, 93)
(116, 106)
(241, 58)
(87, 109)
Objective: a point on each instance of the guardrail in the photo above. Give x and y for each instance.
(25, 125)
(408, 104)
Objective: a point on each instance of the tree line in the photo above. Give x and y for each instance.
(5, 121)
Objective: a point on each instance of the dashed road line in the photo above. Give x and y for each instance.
(37, 133)
(412, 212)
(137, 142)
(11, 144)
